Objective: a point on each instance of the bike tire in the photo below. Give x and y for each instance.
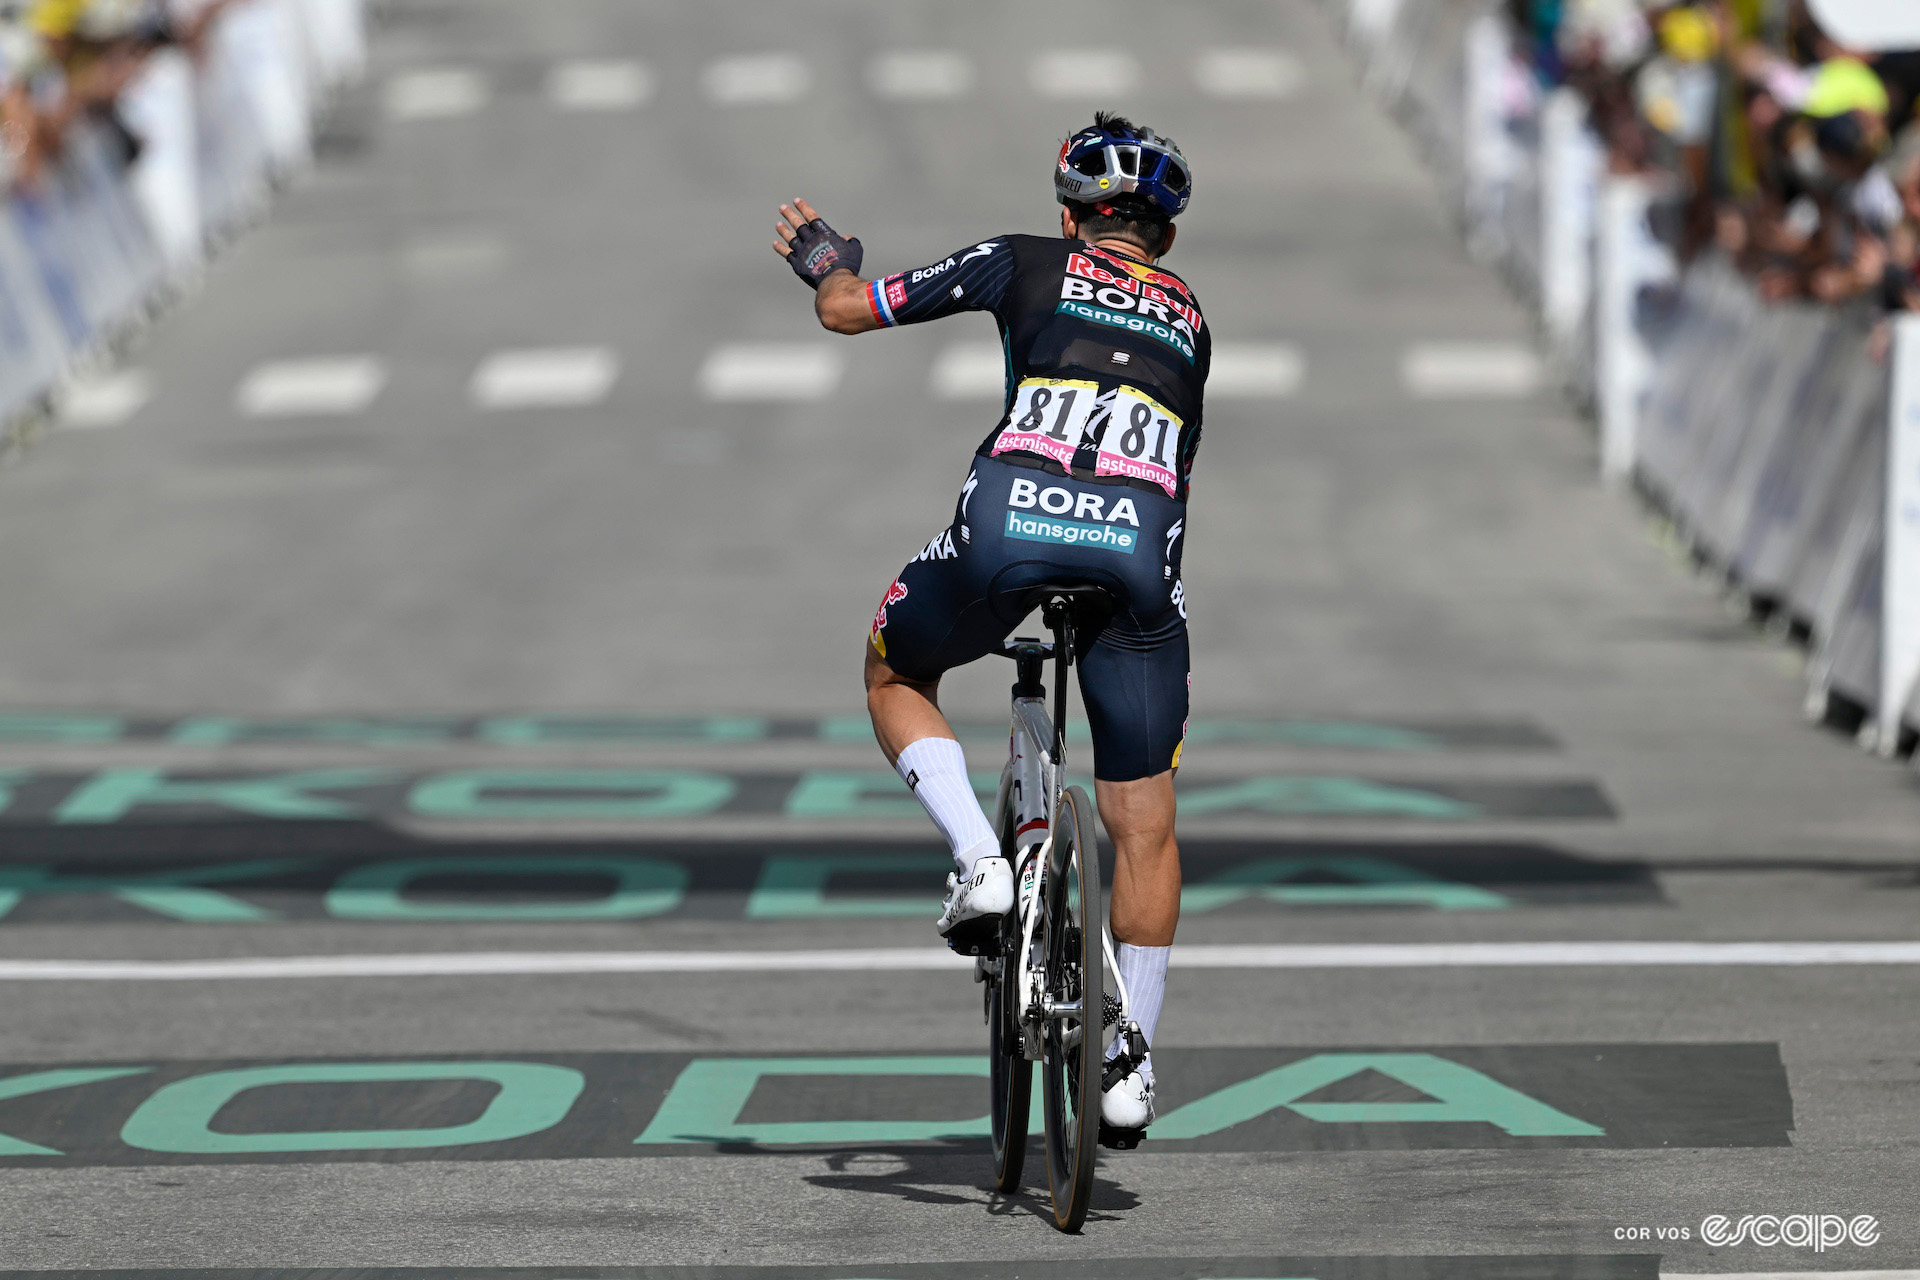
(1010, 1073)
(1070, 1065)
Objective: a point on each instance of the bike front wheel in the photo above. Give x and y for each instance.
(1072, 1045)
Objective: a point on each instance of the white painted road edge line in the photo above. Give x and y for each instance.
(1906, 1274)
(1339, 956)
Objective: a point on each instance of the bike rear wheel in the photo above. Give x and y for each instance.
(1010, 1073)
(1075, 915)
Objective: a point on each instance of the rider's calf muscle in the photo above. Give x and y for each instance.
(904, 711)
(1146, 875)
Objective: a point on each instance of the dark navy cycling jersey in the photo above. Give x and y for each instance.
(1107, 357)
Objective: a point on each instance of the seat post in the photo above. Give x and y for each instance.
(1058, 614)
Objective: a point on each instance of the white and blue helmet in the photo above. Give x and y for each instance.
(1113, 160)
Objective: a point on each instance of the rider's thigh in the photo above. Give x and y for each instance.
(1135, 682)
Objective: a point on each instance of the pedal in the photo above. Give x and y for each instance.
(977, 937)
(1120, 1139)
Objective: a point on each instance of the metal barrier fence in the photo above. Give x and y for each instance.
(92, 250)
(1763, 431)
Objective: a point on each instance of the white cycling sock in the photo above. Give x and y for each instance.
(1144, 971)
(936, 771)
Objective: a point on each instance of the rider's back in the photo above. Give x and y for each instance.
(1107, 357)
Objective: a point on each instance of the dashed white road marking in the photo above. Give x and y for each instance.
(770, 371)
(1255, 371)
(105, 401)
(920, 75)
(599, 85)
(1461, 370)
(545, 378)
(294, 388)
(1086, 73)
(1249, 73)
(1458, 955)
(436, 93)
(970, 371)
(756, 79)
(453, 255)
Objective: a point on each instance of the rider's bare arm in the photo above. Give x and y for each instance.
(974, 278)
(842, 304)
(840, 301)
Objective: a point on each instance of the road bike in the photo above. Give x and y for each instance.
(1053, 992)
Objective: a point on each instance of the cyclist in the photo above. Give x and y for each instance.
(1083, 480)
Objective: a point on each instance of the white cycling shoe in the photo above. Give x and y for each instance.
(974, 906)
(1128, 1104)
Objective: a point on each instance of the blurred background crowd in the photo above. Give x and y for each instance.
(65, 60)
(1796, 155)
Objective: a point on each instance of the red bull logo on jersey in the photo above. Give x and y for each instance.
(1156, 287)
(1121, 302)
(895, 593)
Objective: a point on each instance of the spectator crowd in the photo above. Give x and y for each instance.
(1795, 155)
(62, 61)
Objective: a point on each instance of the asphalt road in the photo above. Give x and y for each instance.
(418, 653)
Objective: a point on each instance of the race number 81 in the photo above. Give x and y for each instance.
(1049, 417)
(1141, 441)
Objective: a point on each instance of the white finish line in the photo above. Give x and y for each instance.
(1908, 1274)
(1469, 955)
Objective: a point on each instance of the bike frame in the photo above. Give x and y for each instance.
(1038, 744)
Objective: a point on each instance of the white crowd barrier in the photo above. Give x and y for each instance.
(1782, 451)
(97, 245)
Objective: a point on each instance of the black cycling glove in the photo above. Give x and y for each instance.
(819, 250)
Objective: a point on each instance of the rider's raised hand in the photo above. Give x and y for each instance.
(812, 248)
